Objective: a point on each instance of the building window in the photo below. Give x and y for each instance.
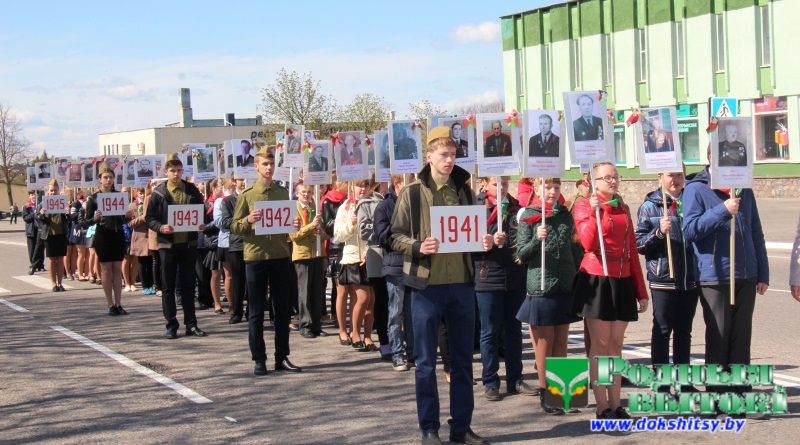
(688, 133)
(547, 81)
(766, 55)
(576, 61)
(772, 135)
(609, 60)
(679, 66)
(521, 71)
(619, 145)
(642, 56)
(126, 149)
(720, 42)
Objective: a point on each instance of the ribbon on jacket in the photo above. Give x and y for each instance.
(493, 215)
(548, 210)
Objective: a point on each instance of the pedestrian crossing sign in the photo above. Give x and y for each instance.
(724, 107)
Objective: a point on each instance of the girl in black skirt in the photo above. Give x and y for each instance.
(607, 302)
(53, 229)
(109, 243)
(547, 309)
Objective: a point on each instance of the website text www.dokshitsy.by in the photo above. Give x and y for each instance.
(690, 424)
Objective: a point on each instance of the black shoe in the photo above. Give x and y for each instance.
(61, 289)
(261, 368)
(121, 311)
(286, 365)
(56, 289)
(620, 413)
(308, 334)
(469, 438)
(203, 306)
(30, 270)
(293, 327)
(235, 319)
(195, 331)
(321, 334)
(431, 439)
(545, 407)
(171, 334)
(113, 311)
(606, 414)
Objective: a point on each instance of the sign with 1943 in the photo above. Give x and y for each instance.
(185, 217)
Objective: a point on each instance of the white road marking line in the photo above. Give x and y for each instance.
(230, 419)
(14, 243)
(147, 372)
(4, 291)
(778, 290)
(778, 378)
(782, 246)
(16, 307)
(39, 281)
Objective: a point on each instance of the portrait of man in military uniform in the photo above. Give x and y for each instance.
(732, 153)
(405, 147)
(587, 127)
(545, 143)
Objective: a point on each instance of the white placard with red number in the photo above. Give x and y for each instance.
(276, 217)
(55, 204)
(185, 217)
(112, 204)
(458, 228)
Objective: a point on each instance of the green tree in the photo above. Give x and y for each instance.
(14, 148)
(367, 112)
(296, 99)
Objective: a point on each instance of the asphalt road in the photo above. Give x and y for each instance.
(72, 374)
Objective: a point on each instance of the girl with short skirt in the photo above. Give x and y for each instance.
(607, 302)
(53, 229)
(547, 309)
(109, 243)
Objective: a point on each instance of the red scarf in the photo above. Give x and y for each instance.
(548, 210)
(334, 195)
(493, 215)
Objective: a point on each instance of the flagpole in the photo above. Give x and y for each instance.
(319, 212)
(499, 199)
(544, 207)
(599, 223)
(667, 235)
(732, 248)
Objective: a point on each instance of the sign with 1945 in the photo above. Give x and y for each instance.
(112, 204)
(458, 228)
(185, 217)
(276, 217)
(55, 204)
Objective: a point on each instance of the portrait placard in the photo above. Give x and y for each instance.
(62, 169)
(276, 217)
(225, 159)
(88, 178)
(205, 165)
(458, 228)
(31, 181)
(112, 204)
(43, 173)
(149, 167)
(293, 145)
(589, 132)
(75, 173)
(351, 161)
(282, 173)
(383, 172)
(317, 163)
(543, 150)
(658, 143)
(405, 147)
(498, 144)
(114, 163)
(55, 204)
(732, 153)
(435, 120)
(128, 171)
(185, 217)
(244, 155)
(464, 138)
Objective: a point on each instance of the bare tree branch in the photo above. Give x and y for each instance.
(497, 106)
(14, 148)
(366, 112)
(296, 99)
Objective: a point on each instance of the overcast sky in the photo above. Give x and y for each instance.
(73, 72)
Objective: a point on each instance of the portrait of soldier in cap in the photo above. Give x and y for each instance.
(732, 153)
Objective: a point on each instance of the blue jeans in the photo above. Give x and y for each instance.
(399, 316)
(456, 302)
(498, 310)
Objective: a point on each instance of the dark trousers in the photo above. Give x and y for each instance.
(381, 310)
(203, 275)
(311, 291)
(158, 273)
(238, 283)
(260, 274)
(178, 257)
(444, 348)
(728, 327)
(456, 303)
(673, 313)
(38, 254)
(498, 313)
(31, 248)
(146, 271)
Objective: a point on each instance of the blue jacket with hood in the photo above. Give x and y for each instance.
(707, 225)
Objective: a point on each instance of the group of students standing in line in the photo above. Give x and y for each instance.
(377, 247)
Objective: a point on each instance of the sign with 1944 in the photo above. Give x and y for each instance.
(276, 217)
(112, 204)
(458, 228)
(185, 217)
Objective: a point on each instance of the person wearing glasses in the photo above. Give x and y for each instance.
(607, 302)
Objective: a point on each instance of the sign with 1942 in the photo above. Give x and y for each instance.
(276, 217)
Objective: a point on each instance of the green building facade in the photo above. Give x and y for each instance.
(654, 53)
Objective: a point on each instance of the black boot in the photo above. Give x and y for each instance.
(547, 409)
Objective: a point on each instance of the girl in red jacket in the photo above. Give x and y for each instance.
(609, 302)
